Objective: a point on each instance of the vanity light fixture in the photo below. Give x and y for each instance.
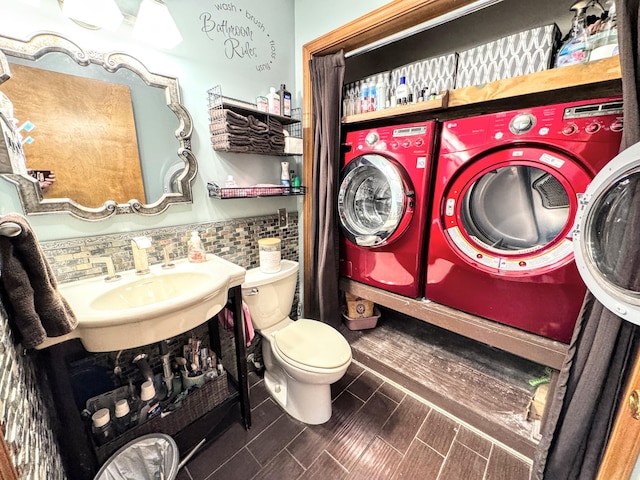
(156, 25)
(93, 13)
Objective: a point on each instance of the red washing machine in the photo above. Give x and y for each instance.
(383, 206)
(506, 194)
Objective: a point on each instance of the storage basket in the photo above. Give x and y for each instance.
(195, 405)
(362, 323)
(358, 307)
(507, 57)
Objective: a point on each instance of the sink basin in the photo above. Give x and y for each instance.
(143, 309)
(150, 290)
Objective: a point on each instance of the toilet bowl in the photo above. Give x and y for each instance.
(302, 358)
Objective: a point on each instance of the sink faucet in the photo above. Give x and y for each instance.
(139, 247)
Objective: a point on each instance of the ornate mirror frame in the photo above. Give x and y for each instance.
(29, 191)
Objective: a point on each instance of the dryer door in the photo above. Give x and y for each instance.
(375, 201)
(511, 212)
(608, 259)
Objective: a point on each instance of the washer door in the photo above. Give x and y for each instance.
(511, 212)
(607, 258)
(375, 201)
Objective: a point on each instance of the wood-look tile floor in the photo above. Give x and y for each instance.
(378, 430)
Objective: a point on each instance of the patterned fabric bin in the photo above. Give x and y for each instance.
(519, 54)
(436, 73)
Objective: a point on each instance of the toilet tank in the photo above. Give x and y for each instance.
(269, 296)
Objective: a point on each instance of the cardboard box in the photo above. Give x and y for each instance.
(538, 402)
(358, 307)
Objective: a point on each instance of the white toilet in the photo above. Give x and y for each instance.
(302, 358)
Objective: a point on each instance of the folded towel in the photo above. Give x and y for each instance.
(257, 126)
(231, 139)
(38, 310)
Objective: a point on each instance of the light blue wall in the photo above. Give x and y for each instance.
(200, 62)
(315, 18)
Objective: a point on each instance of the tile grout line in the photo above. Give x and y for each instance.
(513, 452)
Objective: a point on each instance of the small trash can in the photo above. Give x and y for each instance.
(149, 457)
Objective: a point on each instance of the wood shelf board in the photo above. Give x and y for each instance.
(518, 342)
(428, 106)
(572, 76)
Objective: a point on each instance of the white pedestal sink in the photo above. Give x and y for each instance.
(143, 309)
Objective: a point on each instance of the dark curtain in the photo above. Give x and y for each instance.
(327, 76)
(592, 378)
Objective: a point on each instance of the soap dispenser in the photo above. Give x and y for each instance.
(195, 250)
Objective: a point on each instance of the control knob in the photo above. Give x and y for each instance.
(569, 129)
(522, 123)
(592, 128)
(372, 138)
(617, 126)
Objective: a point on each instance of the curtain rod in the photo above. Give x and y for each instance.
(434, 22)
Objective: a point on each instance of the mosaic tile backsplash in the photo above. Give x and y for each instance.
(32, 444)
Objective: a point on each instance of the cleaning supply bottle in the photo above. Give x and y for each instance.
(575, 49)
(285, 180)
(381, 93)
(195, 249)
(273, 100)
(285, 100)
(402, 92)
(364, 97)
(604, 43)
(372, 96)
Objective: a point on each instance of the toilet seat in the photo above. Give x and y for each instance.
(312, 345)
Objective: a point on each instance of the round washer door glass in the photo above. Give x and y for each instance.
(515, 208)
(511, 212)
(372, 202)
(606, 243)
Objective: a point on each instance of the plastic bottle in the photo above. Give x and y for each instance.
(285, 100)
(402, 92)
(274, 101)
(195, 249)
(381, 94)
(575, 49)
(101, 426)
(372, 96)
(364, 97)
(604, 43)
(149, 403)
(123, 416)
(230, 182)
(285, 180)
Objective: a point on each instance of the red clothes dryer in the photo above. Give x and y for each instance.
(506, 193)
(383, 206)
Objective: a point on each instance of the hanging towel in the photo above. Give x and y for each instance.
(37, 309)
(225, 317)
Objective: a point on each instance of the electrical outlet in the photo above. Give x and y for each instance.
(282, 217)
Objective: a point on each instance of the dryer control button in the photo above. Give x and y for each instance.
(617, 126)
(569, 129)
(592, 128)
(406, 143)
(372, 138)
(449, 208)
(419, 142)
(522, 123)
(394, 145)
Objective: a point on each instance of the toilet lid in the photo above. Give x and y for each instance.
(313, 343)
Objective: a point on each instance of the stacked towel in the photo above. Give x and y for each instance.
(233, 132)
(37, 310)
(276, 136)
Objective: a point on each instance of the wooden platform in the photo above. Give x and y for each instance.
(481, 385)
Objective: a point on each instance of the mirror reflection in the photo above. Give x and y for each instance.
(114, 135)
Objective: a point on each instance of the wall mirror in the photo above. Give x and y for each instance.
(115, 135)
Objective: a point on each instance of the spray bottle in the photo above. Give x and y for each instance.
(574, 48)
